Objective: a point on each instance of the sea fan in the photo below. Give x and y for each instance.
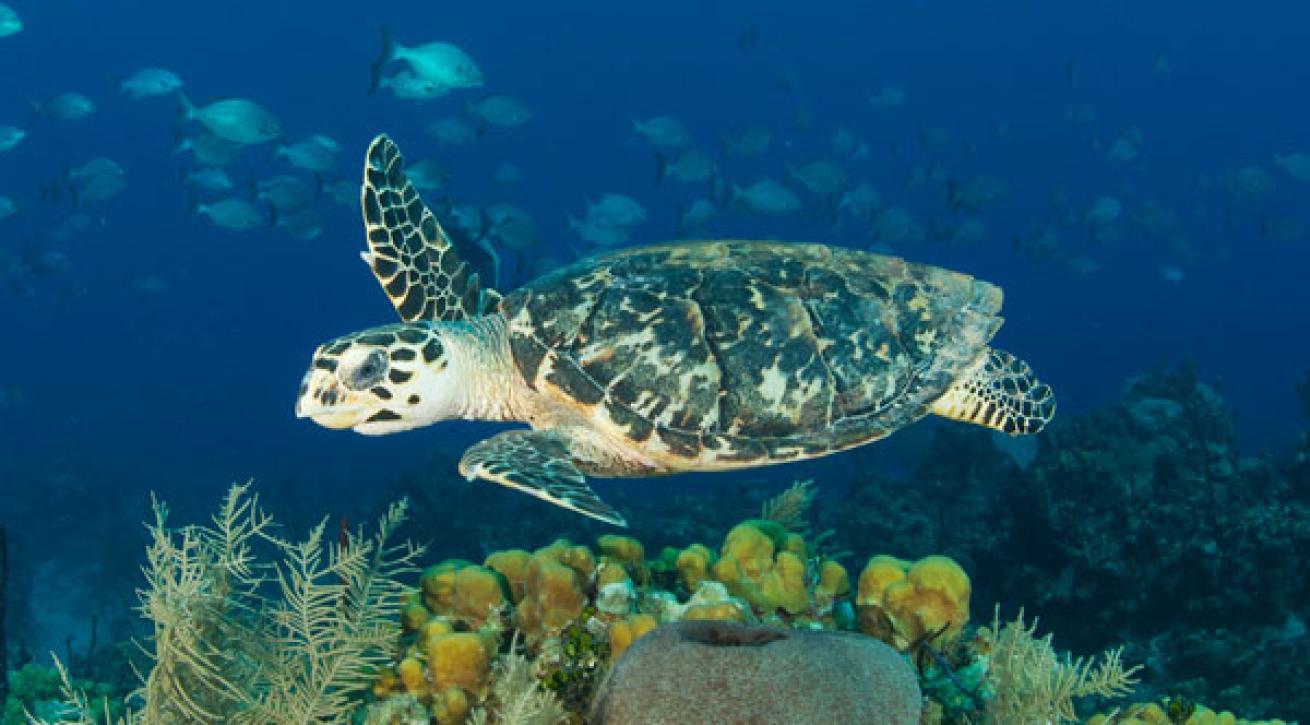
(293, 638)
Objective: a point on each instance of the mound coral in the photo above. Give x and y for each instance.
(902, 603)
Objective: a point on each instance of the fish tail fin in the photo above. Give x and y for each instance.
(661, 167)
(273, 218)
(388, 52)
(192, 202)
(319, 185)
(186, 110)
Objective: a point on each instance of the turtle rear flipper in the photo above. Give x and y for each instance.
(538, 463)
(1001, 393)
(411, 255)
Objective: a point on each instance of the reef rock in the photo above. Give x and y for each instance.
(722, 672)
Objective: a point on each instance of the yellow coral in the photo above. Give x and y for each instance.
(693, 564)
(723, 611)
(748, 567)
(833, 582)
(412, 677)
(480, 594)
(513, 565)
(610, 571)
(438, 585)
(624, 632)
(414, 614)
(784, 586)
(900, 603)
(460, 659)
(576, 557)
(627, 551)
(552, 598)
(451, 706)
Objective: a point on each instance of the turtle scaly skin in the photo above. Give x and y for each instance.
(695, 356)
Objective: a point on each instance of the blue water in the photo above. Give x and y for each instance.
(185, 390)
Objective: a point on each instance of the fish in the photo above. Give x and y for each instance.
(616, 210)
(207, 178)
(507, 174)
(664, 132)
(97, 181)
(895, 225)
(344, 192)
(1103, 212)
(766, 196)
(751, 141)
(208, 149)
(1296, 165)
(427, 175)
(409, 87)
(599, 233)
(238, 120)
(888, 97)
(149, 82)
(694, 218)
(694, 166)
(234, 214)
(151, 284)
(861, 201)
(10, 137)
(824, 177)
(10, 23)
(498, 110)
(442, 63)
(1172, 274)
(304, 224)
(512, 226)
(65, 107)
(450, 131)
(285, 193)
(316, 154)
(8, 207)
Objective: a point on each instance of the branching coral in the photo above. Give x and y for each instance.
(241, 639)
(519, 698)
(1029, 683)
(790, 507)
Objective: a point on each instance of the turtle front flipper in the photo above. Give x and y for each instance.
(411, 255)
(537, 462)
(1000, 393)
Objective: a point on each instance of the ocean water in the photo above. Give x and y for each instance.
(144, 349)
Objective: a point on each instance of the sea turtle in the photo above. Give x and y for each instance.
(688, 356)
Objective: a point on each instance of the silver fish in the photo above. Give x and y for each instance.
(11, 136)
(409, 87)
(765, 196)
(10, 23)
(499, 110)
(149, 82)
(66, 107)
(316, 154)
(207, 178)
(285, 193)
(237, 120)
(235, 214)
(442, 63)
(663, 131)
(450, 131)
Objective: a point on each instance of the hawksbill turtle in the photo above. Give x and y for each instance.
(686, 356)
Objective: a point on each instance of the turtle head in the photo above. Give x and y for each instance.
(381, 380)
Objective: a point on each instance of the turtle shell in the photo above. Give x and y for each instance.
(733, 353)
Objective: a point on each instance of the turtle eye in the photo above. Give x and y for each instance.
(367, 373)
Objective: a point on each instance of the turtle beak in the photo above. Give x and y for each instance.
(323, 401)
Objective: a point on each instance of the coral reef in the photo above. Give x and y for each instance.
(723, 672)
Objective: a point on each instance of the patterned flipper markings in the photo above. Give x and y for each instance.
(1002, 394)
(408, 251)
(537, 463)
